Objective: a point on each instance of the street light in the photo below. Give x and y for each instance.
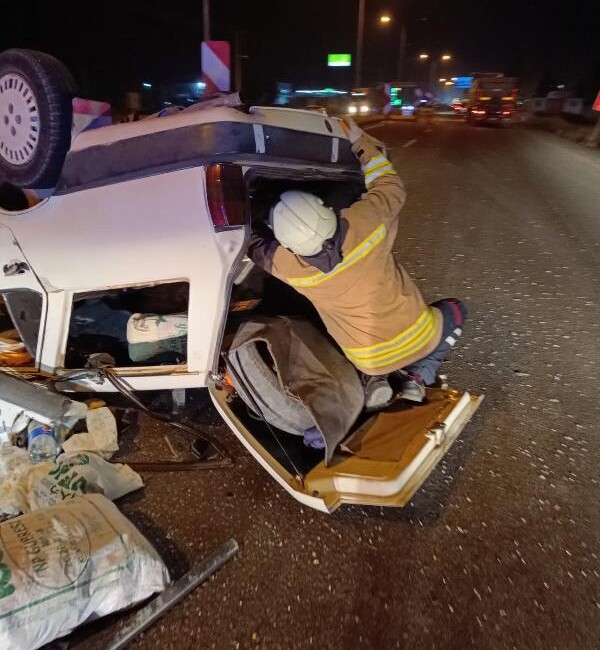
(385, 20)
(433, 66)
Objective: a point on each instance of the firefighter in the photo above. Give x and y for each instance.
(344, 264)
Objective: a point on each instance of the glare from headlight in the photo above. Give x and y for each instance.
(352, 109)
(364, 109)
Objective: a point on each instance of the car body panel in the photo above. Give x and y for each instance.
(152, 225)
(92, 242)
(129, 213)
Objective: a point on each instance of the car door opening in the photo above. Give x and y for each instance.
(20, 323)
(136, 326)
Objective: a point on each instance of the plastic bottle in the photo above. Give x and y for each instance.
(41, 442)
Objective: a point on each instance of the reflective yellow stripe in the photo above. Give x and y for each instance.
(377, 170)
(423, 339)
(376, 167)
(404, 345)
(376, 160)
(355, 255)
(369, 170)
(375, 175)
(408, 333)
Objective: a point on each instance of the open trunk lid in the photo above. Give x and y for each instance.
(383, 462)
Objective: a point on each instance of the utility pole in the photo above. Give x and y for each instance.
(206, 19)
(402, 54)
(360, 35)
(433, 73)
(237, 47)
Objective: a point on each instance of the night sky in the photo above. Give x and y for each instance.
(115, 45)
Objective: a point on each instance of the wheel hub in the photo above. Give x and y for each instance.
(19, 120)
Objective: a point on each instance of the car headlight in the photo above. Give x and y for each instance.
(364, 109)
(352, 109)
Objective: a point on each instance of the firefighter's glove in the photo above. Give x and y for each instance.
(351, 129)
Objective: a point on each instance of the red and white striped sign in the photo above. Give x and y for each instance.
(216, 66)
(89, 114)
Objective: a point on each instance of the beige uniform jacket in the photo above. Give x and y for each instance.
(368, 302)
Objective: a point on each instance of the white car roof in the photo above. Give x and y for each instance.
(202, 136)
(297, 120)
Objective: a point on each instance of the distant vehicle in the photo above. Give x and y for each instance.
(425, 110)
(404, 97)
(459, 106)
(366, 101)
(492, 98)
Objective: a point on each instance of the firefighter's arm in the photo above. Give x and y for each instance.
(385, 189)
(262, 248)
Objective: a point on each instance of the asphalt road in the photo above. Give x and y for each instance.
(500, 548)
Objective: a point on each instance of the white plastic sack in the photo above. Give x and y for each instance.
(13, 419)
(73, 475)
(25, 486)
(151, 334)
(69, 564)
(14, 466)
(101, 436)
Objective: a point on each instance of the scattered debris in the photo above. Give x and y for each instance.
(73, 475)
(23, 401)
(64, 565)
(199, 573)
(14, 464)
(27, 486)
(101, 436)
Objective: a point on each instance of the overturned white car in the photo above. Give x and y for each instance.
(143, 230)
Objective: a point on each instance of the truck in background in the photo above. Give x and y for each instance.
(491, 98)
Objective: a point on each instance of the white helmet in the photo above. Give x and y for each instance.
(302, 223)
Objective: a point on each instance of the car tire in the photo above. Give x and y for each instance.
(259, 388)
(36, 115)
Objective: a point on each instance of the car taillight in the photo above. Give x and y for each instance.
(226, 196)
(505, 112)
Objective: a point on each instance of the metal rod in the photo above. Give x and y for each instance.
(172, 595)
(360, 33)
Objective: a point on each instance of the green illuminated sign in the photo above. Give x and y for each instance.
(339, 60)
(394, 99)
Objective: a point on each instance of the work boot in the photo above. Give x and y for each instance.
(413, 389)
(378, 392)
